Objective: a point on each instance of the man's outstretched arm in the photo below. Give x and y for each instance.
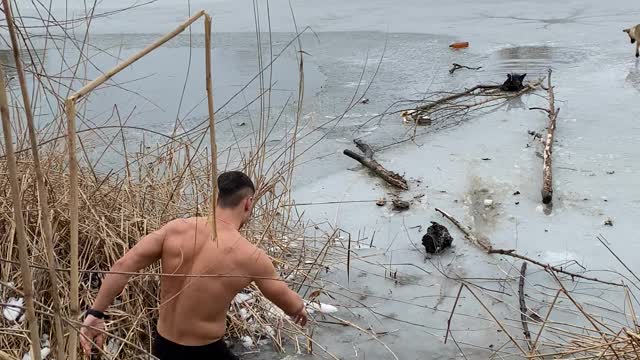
(277, 290)
(147, 251)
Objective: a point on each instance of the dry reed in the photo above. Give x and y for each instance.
(97, 214)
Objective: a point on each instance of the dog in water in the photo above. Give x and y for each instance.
(634, 35)
(513, 82)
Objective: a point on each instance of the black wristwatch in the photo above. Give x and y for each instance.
(95, 313)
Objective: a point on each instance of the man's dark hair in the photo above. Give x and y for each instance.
(233, 187)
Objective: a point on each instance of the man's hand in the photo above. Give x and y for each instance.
(89, 334)
(301, 318)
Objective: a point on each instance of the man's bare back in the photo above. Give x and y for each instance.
(200, 277)
(193, 309)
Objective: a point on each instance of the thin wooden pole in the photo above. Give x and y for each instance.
(27, 282)
(70, 109)
(109, 74)
(212, 126)
(42, 192)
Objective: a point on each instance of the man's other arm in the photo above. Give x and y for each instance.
(277, 290)
(147, 251)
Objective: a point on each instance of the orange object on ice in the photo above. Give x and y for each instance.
(459, 45)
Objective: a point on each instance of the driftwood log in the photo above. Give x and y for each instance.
(547, 174)
(367, 160)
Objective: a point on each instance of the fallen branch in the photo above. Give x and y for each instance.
(446, 99)
(490, 250)
(512, 253)
(455, 67)
(481, 90)
(523, 306)
(547, 176)
(367, 160)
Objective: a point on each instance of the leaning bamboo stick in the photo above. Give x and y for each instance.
(109, 74)
(70, 108)
(544, 323)
(42, 192)
(594, 322)
(27, 282)
(212, 126)
(5, 356)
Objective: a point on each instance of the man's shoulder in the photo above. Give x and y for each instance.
(181, 224)
(252, 253)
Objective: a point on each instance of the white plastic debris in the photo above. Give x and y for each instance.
(321, 308)
(241, 298)
(12, 313)
(275, 311)
(488, 202)
(44, 352)
(269, 330)
(244, 314)
(247, 342)
(112, 346)
(44, 341)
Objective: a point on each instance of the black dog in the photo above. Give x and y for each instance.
(437, 238)
(513, 82)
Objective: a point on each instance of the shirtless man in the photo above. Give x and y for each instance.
(193, 309)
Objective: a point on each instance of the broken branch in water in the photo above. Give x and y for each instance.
(455, 67)
(456, 105)
(486, 246)
(367, 160)
(523, 306)
(547, 176)
(481, 90)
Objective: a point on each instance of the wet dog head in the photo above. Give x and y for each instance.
(516, 78)
(628, 31)
(513, 82)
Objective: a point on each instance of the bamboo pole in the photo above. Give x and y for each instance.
(109, 74)
(70, 109)
(42, 192)
(27, 282)
(212, 126)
